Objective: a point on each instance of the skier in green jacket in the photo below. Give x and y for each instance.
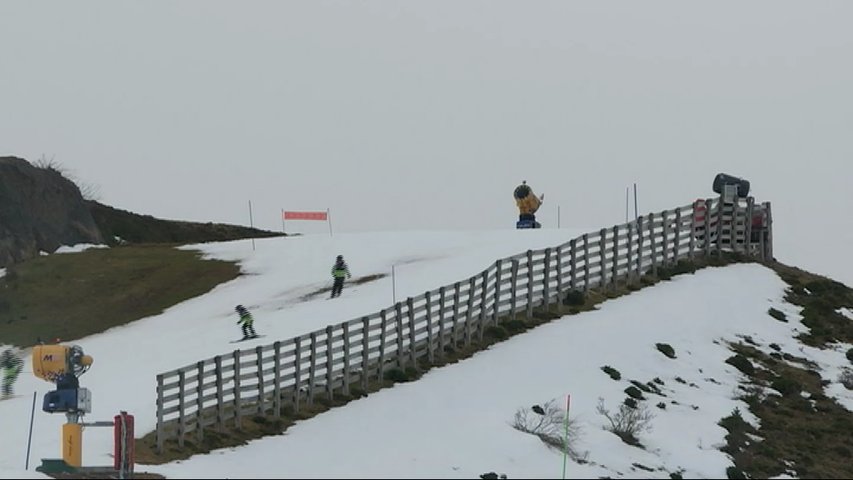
(246, 320)
(11, 365)
(340, 270)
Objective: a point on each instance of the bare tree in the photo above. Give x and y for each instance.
(548, 422)
(628, 422)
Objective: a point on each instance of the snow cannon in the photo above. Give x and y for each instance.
(730, 186)
(528, 203)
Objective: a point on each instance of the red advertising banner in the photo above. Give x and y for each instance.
(305, 215)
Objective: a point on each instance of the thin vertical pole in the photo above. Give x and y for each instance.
(30, 437)
(393, 285)
(636, 209)
(251, 223)
(329, 219)
(566, 439)
(558, 216)
(282, 220)
(627, 190)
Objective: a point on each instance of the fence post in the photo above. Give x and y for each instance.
(160, 431)
(238, 404)
(483, 296)
(199, 405)
(182, 427)
(382, 344)
(454, 333)
(330, 387)
(497, 306)
(629, 260)
(297, 374)
(312, 368)
(560, 279)
(259, 352)
(365, 351)
(220, 400)
(413, 351)
(513, 288)
(602, 257)
(586, 285)
(747, 227)
(529, 284)
(346, 359)
(708, 227)
(276, 402)
(469, 311)
(720, 210)
(677, 252)
(615, 271)
(573, 274)
(769, 244)
(693, 227)
(430, 336)
(398, 310)
(654, 243)
(441, 333)
(639, 261)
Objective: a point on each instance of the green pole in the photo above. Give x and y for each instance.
(566, 438)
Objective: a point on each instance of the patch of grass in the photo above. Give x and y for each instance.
(614, 374)
(805, 431)
(495, 332)
(574, 298)
(127, 283)
(777, 314)
(742, 364)
(666, 349)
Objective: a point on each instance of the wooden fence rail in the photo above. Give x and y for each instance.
(295, 372)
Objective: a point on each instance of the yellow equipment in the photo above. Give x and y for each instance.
(62, 364)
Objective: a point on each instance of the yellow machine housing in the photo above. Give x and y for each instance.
(51, 361)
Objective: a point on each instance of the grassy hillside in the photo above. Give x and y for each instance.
(74, 295)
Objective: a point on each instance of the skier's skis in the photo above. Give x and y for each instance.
(248, 338)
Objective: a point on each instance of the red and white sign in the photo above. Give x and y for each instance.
(306, 215)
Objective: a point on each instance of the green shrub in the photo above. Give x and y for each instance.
(661, 406)
(735, 473)
(515, 326)
(775, 346)
(742, 364)
(666, 349)
(634, 393)
(496, 332)
(642, 386)
(630, 402)
(850, 355)
(575, 298)
(777, 314)
(614, 374)
(786, 386)
(396, 375)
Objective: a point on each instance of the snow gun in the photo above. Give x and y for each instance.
(528, 203)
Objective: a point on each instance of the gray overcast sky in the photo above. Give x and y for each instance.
(425, 115)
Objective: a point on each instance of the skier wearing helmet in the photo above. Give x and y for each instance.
(340, 270)
(246, 321)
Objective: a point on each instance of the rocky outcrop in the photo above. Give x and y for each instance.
(40, 210)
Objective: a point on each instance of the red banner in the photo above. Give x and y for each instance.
(305, 215)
